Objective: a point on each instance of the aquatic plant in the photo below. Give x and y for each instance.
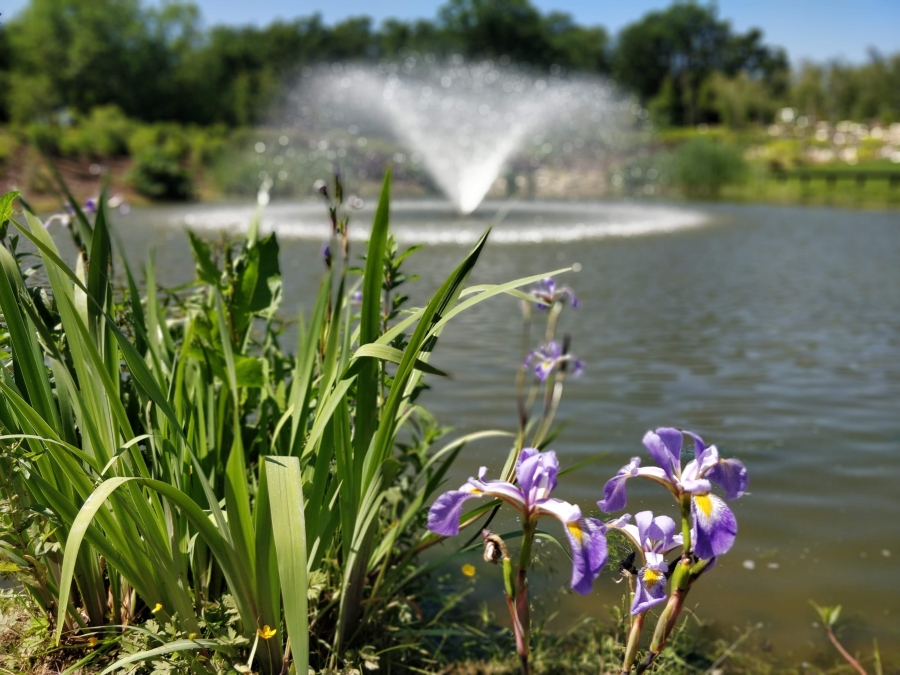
(708, 528)
(165, 458)
(536, 475)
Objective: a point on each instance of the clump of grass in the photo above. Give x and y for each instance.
(702, 167)
(163, 455)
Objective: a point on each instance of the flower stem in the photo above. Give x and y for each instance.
(664, 627)
(686, 525)
(631, 647)
(522, 614)
(843, 652)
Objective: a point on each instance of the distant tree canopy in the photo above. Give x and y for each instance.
(159, 63)
(668, 58)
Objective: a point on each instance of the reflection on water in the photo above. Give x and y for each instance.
(773, 332)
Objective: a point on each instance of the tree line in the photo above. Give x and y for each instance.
(685, 63)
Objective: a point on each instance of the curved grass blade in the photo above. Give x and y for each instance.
(169, 648)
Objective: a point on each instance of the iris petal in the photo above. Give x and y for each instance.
(587, 539)
(443, 517)
(664, 445)
(536, 473)
(714, 524)
(650, 591)
(614, 494)
(731, 475)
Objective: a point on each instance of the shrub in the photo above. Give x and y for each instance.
(170, 137)
(103, 133)
(8, 144)
(159, 174)
(43, 136)
(702, 167)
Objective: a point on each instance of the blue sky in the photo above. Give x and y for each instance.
(808, 29)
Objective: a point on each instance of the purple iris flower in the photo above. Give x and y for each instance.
(714, 524)
(547, 293)
(653, 537)
(536, 474)
(91, 206)
(550, 357)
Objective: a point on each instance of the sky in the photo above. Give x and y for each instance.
(808, 29)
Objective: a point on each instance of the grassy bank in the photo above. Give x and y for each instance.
(475, 645)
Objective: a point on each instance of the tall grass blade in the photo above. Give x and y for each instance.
(286, 503)
(368, 384)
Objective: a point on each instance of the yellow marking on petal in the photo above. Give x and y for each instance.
(577, 532)
(265, 632)
(156, 608)
(468, 570)
(651, 577)
(474, 490)
(704, 503)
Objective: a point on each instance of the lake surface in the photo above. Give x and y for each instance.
(772, 332)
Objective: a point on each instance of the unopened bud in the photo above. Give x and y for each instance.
(494, 548)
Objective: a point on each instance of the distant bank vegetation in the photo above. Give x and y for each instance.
(684, 63)
(177, 111)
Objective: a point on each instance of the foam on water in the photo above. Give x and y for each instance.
(428, 222)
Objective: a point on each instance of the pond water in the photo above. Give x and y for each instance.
(773, 332)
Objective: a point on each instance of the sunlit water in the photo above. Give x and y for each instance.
(773, 332)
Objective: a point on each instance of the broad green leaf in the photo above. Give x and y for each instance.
(206, 268)
(6, 208)
(286, 504)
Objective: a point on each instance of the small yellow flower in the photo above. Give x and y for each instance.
(157, 608)
(92, 642)
(265, 632)
(192, 636)
(468, 570)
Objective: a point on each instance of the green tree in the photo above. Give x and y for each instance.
(685, 44)
(84, 54)
(515, 28)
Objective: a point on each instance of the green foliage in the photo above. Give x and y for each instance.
(840, 91)
(740, 99)
(701, 167)
(104, 132)
(827, 615)
(516, 29)
(164, 457)
(160, 170)
(669, 54)
(156, 63)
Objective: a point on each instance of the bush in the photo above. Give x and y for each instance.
(703, 166)
(8, 144)
(103, 133)
(43, 136)
(171, 138)
(159, 174)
